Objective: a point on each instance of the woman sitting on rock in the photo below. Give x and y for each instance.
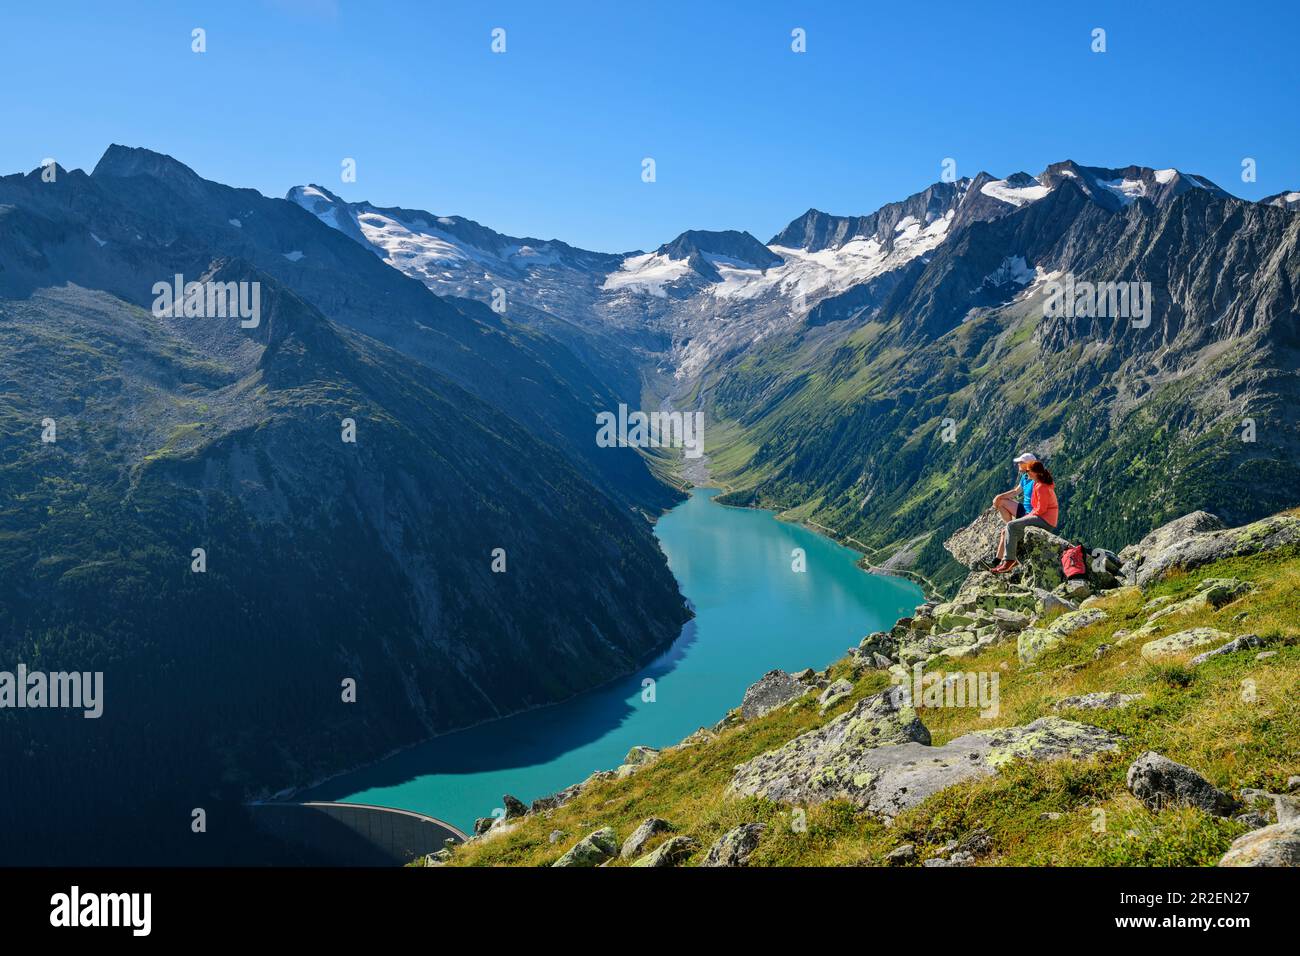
(1043, 512)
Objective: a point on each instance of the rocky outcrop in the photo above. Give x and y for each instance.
(774, 689)
(1242, 643)
(672, 852)
(1182, 642)
(1040, 552)
(1276, 845)
(642, 835)
(636, 758)
(1072, 621)
(514, 807)
(1034, 642)
(592, 850)
(1167, 535)
(1194, 550)
(1160, 782)
(824, 764)
(978, 541)
(735, 847)
(834, 694)
(888, 779)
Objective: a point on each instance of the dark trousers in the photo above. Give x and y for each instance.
(1015, 532)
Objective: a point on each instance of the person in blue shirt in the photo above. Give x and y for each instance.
(1016, 503)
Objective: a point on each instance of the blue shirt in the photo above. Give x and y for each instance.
(1027, 490)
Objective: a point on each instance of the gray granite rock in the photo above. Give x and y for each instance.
(1160, 782)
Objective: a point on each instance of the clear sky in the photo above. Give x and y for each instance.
(547, 139)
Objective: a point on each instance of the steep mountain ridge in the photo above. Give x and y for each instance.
(324, 559)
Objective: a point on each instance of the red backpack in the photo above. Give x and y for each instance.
(1073, 563)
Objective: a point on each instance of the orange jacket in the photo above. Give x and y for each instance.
(1042, 502)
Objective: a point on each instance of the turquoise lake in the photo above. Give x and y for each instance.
(753, 613)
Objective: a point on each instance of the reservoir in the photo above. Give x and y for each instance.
(753, 613)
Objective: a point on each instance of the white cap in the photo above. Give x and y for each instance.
(1025, 456)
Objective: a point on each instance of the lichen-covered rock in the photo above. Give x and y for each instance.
(483, 824)
(886, 780)
(735, 847)
(1242, 643)
(514, 806)
(1096, 701)
(643, 834)
(1040, 559)
(1076, 589)
(1010, 620)
(933, 644)
(901, 855)
(592, 850)
(1277, 845)
(1032, 643)
(1183, 641)
(1195, 550)
(1047, 602)
(823, 763)
(1073, 621)
(774, 689)
(636, 758)
(1160, 782)
(1168, 535)
(832, 695)
(672, 852)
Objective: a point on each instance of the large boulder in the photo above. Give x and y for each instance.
(643, 834)
(735, 847)
(672, 852)
(886, 780)
(838, 691)
(1160, 782)
(592, 850)
(1040, 552)
(1033, 642)
(1167, 535)
(1243, 643)
(823, 763)
(1072, 621)
(1040, 559)
(1278, 845)
(774, 689)
(1183, 641)
(1195, 550)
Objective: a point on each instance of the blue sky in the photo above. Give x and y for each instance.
(547, 139)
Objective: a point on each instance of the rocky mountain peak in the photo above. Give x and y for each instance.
(737, 246)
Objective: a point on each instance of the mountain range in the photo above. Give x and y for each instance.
(829, 359)
(870, 374)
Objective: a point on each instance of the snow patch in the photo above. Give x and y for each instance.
(1014, 195)
(1164, 176)
(101, 242)
(1126, 190)
(236, 223)
(293, 256)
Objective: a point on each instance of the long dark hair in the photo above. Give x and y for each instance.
(1040, 473)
